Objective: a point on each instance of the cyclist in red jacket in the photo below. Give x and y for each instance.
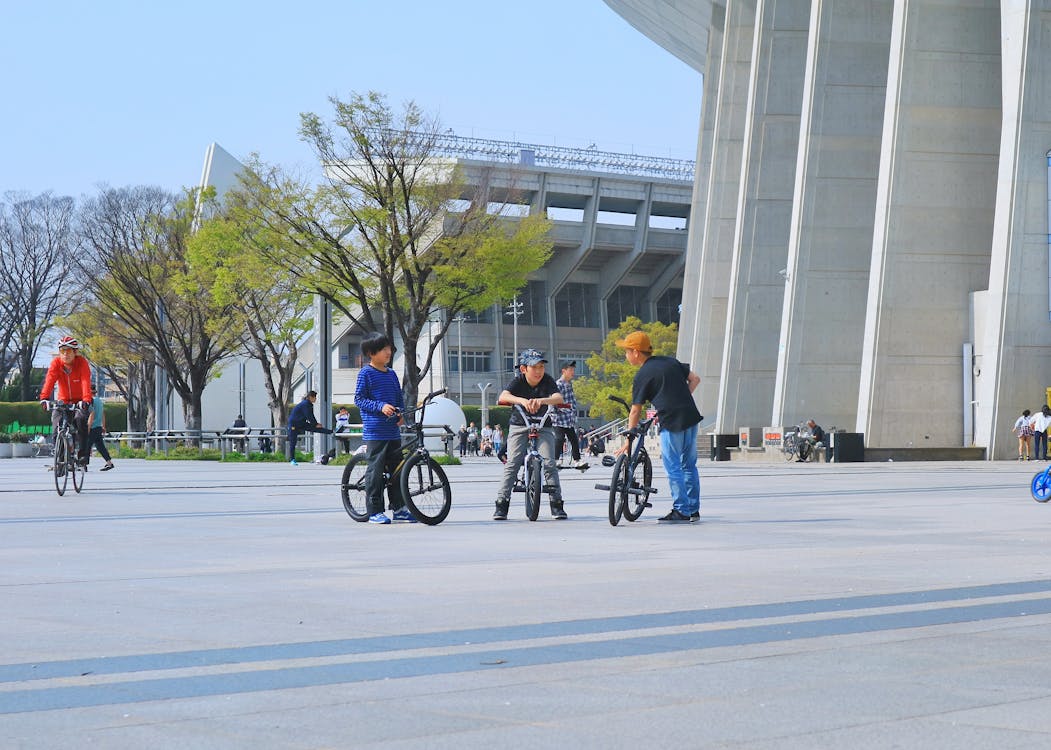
(71, 372)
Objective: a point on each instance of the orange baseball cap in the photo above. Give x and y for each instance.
(637, 340)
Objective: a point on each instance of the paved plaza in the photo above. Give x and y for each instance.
(197, 605)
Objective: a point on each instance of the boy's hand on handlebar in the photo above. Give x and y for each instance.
(534, 405)
(389, 410)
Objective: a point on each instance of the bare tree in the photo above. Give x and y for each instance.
(38, 282)
(134, 263)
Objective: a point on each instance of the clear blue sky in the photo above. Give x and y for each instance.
(128, 92)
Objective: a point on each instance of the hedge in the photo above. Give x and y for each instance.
(29, 414)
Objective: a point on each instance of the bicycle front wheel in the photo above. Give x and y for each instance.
(616, 504)
(788, 447)
(1040, 487)
(352, 488)
(76, 469)
(638, 481)
(534, 486)
(425, 489)
(60, 465)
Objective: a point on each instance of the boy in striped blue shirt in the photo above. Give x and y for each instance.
(378, 397)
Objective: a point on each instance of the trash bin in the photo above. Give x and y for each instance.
(721, 444)
(848, 447)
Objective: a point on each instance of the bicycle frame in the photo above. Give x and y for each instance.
(624, 482)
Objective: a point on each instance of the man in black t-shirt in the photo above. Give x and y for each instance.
(537, 392)
(668, 384)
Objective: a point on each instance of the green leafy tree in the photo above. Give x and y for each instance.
(114, 348)
(611, 375)
(269, 309)
(393, 235)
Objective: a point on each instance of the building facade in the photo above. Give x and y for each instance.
(870, 242)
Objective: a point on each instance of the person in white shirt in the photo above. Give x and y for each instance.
(1041, 422)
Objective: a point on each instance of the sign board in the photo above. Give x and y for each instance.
(773, 437)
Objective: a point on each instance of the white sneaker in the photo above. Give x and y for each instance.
(581, 464)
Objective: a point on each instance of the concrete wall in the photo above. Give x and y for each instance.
(934, 218)
(830, 243)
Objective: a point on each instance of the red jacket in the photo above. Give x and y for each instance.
(74, 383)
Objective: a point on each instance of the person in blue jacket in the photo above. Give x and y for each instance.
(379, 399)
(302, 419)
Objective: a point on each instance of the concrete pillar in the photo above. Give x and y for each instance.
(714, 213)
(934, 219)
(830, 244)
(771, 137)
(1013, 366)
(697, 224)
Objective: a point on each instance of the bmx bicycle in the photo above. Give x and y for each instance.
(65, 464)
(1040, 487)
(422, 481)
(531, 476)
(631, 485)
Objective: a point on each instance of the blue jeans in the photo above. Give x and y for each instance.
(679, 454)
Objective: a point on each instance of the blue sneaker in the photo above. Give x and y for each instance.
(379, 518)
(293, 462)
(403, 515)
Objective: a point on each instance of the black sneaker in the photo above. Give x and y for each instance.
(500, 514)
(695, 516)
(674, 517)
(558, 512)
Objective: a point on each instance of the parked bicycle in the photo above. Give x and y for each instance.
(798, 443)
(531, 476)
(631, 485)
(65, 464)
(422, 481)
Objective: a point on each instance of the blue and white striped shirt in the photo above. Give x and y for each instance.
(374, 389)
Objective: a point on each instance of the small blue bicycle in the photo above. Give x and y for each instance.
(1041, 486)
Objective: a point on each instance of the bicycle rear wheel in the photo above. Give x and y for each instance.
(59, 467)
(637, 486)
(1040, 487)
(534, 486)
(425, 489)
(616, 503)
(352, 488)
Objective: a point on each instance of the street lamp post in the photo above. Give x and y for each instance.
(514, 309)
(458, 320)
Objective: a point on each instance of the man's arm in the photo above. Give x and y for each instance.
(692, 381)
(634, 416)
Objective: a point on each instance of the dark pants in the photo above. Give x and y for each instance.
(265, 445)
(1039, 445)
(293, 436)
(383, 456)
(560, 442)
(80, 429)
(96, 442)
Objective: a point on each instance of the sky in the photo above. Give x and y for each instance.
(132, 93)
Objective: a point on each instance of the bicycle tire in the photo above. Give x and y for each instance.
(425, 489)
(352, 489)
(534, 486)
(1040, 487)
(638, 480)
(76, 469)
(616, 506)
(789, 444)
(806, 450)
(60, 465)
